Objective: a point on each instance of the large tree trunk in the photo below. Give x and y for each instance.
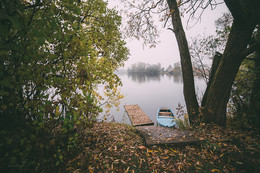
(246, 16)
(220, 88)
(187, 72)
(214, 67)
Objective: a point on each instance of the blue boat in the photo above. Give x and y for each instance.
(165, 117)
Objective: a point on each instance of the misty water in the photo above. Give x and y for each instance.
(151, 93)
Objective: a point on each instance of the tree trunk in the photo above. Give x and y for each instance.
(254, 106)
(187, 73)
(246, 16)
(214, 67)
(220, 88)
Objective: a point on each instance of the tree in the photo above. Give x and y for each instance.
(254, 104)
(245, 93)
(142, 68)
(240, 109)
(236, 50)
(186, 66)
(246, 17)
(56, 46)
(208, 47)
(54, 55)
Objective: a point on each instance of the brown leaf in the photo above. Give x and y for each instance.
(142, 147)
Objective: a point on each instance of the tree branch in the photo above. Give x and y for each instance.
(171, 29)
(37, 4)
(251, 49)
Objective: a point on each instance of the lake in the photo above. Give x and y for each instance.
(151, 93)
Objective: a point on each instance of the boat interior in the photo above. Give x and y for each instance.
(165, 114)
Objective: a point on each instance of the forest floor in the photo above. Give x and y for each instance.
(113, 147)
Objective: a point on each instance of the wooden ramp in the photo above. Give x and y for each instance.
(137, 116)
(155, 135)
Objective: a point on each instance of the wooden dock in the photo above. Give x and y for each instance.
(137, 116)
(156, 135)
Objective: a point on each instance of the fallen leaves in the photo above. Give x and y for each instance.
(118, 148)
(174, 151)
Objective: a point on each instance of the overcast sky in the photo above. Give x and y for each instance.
(166, 52)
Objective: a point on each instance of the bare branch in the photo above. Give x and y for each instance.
(195, 5)
(140, 16)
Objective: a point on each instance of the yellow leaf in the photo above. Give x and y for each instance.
(179, 167)
(173, 150)
(90, 169)
(215, 170)
(179, 3)
(149, 151)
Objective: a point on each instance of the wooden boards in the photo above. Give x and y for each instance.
(137, 116)
(156, 135)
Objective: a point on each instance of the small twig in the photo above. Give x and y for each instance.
(171, 29)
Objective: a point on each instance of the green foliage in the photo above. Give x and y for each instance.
(244, 99)
(239, 107)
(182, 118)
(183, 123)
(54, 55)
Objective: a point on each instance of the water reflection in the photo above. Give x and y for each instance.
(150, 92)
(177, 78)
(143, 77)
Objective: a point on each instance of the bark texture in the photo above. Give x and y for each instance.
(187, 72)
(246, 14)
(214, 67)
(246, 17)
(220, 88)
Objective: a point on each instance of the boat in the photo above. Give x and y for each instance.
(165, 117)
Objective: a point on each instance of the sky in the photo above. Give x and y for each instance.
(166, 52)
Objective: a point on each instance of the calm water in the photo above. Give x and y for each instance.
(151, 93)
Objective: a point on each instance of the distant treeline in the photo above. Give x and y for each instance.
(154, 69)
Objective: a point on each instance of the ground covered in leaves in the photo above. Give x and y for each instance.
(112, 147)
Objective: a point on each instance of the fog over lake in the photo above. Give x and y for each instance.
(151, 92)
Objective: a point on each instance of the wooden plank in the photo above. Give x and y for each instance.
(137, 116)
(164, 109)
(165, 113)
(155, 135)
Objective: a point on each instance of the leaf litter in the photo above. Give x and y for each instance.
(113, 147)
